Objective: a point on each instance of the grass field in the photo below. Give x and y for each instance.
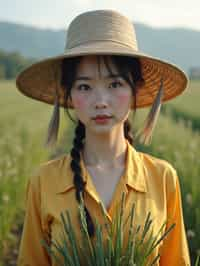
(24, 123)
(188, 101)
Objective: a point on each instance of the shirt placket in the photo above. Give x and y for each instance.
(116, 197)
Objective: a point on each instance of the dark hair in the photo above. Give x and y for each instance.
(127, 67)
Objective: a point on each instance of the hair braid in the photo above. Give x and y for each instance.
(128, 131)
(75, 166)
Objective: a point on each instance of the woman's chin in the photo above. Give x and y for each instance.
(101, 129)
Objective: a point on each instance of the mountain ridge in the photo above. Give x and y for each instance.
(179, 46)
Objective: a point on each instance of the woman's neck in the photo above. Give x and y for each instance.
(106, 150)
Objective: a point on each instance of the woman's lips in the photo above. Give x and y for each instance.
(102, 119)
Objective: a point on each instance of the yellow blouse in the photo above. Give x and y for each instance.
(151, 183)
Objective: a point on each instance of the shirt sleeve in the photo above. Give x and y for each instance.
(31, 252)
(175, 247)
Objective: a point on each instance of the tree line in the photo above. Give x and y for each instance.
(11, 63)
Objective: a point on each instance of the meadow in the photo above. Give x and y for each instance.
(186, 107)
(23, 126)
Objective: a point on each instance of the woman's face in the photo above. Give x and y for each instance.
(101, 101)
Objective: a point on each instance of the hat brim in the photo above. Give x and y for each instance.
(39, 80)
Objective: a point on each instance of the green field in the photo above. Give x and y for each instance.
(24, 123)
(189, 101)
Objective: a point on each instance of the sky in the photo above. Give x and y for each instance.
(58, 14)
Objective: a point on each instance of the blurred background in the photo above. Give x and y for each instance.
(31, 30)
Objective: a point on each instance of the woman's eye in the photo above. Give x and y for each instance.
(116, 84)
(83, 87)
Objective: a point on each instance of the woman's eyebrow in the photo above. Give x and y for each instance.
(106, 77)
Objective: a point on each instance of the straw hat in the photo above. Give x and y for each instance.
(103, 32)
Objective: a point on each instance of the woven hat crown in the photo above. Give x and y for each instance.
(101, 25)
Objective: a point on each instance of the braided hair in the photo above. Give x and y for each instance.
(75, 166)
(125, 65)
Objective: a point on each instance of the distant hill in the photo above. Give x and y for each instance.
(178, 45)
(30, 41)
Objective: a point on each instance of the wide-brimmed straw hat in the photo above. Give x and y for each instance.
(102, 32)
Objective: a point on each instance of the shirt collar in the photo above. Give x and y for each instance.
(135, 171)
(134, 175)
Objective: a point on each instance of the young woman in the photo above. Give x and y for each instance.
(103, 77)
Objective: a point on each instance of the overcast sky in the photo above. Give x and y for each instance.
(57, 14)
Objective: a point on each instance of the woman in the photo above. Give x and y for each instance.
(103, 77)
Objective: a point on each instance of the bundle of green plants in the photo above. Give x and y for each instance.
(70, 251)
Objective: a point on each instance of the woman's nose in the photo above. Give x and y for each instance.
(101, 100)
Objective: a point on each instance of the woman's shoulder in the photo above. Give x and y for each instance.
(156, 162)
(49, 170)
(160, 169)
(56, 162)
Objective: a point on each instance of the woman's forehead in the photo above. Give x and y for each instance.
(96, 66)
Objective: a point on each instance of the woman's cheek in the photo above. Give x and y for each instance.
(123, 98)
(79, 102)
